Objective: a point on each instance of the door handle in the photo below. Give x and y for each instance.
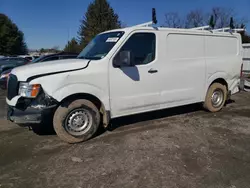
(151, 71)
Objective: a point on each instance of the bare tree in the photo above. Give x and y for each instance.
(173, 20)
(222, 16)
(196, 18)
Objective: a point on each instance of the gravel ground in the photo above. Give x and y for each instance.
(180, 147)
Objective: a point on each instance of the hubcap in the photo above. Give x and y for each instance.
(78, 122)
(217, 98)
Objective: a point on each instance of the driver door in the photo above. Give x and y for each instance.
(134, 86)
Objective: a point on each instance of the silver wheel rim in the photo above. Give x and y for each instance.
(78, 122)
(217, 98)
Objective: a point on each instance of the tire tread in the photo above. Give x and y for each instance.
(61, 114)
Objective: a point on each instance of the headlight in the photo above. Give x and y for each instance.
(27, 90)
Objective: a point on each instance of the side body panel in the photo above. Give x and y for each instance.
(223, 59)
(182, 68)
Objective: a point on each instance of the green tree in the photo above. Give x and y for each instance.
(211, 22)
(72, 46)
(11, 38)
(231, 23)
(99, 17)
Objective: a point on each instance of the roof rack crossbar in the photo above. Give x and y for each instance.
(207, 27)
(222, 29)
(147, 24)
(229, 29)
(239, 29)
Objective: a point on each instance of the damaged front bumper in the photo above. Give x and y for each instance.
(29, 116)
(32, 111)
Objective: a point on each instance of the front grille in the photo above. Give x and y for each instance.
(12, 86)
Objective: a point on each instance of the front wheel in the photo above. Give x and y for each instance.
(76, 121)
(216, 97)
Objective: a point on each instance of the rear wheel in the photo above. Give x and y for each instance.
(76, 121)
(216, 97)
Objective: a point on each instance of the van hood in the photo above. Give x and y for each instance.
(41, 68)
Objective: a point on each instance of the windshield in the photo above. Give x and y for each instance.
(100, 46)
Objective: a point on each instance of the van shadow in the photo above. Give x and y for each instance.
(123, 121)
(46, 127)
(132, 72)
(230, 101)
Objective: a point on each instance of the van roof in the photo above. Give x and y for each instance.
(133, 28)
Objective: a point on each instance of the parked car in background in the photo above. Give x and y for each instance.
(3, 78)
(12, 62)
(6, 65)
(31, 58)
(27, 57)
(6, 69)
(12, 58)
(53, 57)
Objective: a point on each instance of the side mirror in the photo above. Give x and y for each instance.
(123, 59)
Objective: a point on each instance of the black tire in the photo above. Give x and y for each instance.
(208, 105)
(67, 108)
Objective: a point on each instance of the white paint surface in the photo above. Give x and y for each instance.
(187, 61)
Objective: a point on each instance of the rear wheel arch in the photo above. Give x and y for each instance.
(220, 81)
(217, 92)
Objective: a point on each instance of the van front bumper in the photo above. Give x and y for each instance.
(31, 111)
(29, 115)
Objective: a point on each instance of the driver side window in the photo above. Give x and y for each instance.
(141, 49)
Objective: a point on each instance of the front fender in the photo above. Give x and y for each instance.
(80, 88)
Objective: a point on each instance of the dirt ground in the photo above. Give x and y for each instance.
(181, 147)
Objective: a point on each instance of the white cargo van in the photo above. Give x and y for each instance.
(127, 71)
